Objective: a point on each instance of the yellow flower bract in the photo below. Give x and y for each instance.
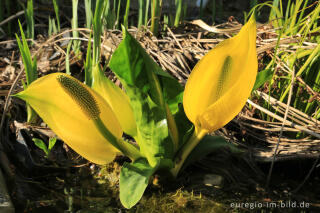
(221, 82)
(69, 120)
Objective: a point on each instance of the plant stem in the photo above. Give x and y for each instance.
(126, 15)
(146, 14)
(214, 8)
(155, 16)
(126, 148)
(187, 149)
(74, 25)
(141, 7)
(88, 10)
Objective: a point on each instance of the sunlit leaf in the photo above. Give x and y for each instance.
(262, 77)
(40, 144)
(134, 179)
(140, 75)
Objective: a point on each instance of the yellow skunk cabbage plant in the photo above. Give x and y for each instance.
(170, 126)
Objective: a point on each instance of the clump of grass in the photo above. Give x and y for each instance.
(30, 67)
(299, 59)
(112, 14)
(52, 28)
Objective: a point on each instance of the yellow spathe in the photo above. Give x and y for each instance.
(221, 82)
(117, 100)
(69, 120)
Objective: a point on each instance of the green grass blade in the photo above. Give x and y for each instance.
(68, 58)
(31, 71)
(141, 13)
(155, 16)
(87, 6)
(74, 25)
(146, 14)
(97, 29)
(118, 15)
(30, 67)
(178, 13)
(56, 10)
(30, 20)
(201, 9)
(214, 10)
(302, 69)
(126, 15)
(49, 26)
(294, 13)
(302, 11)
(88, 64)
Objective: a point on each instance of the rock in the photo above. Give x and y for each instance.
(213, 180)
(5, 202)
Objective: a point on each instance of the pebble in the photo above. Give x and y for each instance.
(213, 180)
(5, 202)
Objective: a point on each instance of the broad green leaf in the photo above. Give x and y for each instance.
(39, 143)
(134, 179)
(262, 77)
(140, 75)
(70, 109)
(152, 129)
(207, 145)
(222, 80)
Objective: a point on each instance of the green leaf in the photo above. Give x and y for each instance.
(40, 144)
(148, 88)
(52, 142)
(208, 145)
(262, 77)
(134, 179)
